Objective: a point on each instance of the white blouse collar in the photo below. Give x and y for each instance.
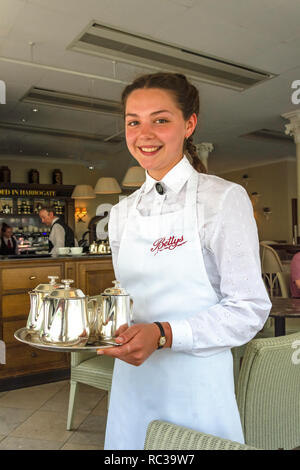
(174, 179)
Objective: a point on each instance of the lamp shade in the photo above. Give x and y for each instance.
(106, 185)
(83, 191)
(134, 177)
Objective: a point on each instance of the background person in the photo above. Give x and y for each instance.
(8, 242)
(295, 276)
(60, 233)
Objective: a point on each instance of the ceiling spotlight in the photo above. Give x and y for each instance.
(35, 109)
(91, 167)
(23, 120)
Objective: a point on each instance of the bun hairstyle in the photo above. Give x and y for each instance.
(186, 96)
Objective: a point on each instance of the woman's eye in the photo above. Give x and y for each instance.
(161, 120)
(132, 123)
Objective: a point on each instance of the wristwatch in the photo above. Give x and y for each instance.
(162, 340)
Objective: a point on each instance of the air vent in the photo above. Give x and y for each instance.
(268, 134)
(68, 100)
(115, 139)
(113, 44)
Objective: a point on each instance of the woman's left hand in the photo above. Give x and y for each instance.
(137, 342)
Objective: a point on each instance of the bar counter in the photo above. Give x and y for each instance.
(24, 365)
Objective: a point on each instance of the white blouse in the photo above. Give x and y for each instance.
(57, 237)
(230, 250)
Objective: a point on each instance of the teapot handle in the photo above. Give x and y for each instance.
(130, 319)
(47, 319)
(95, 311)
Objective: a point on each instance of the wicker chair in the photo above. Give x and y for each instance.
(166, 436)
(273, 272)
(90, 369)
(277, 283)
(268, 392)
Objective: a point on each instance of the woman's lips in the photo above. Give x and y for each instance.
(149, 150)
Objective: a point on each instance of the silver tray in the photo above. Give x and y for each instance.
(27, 337)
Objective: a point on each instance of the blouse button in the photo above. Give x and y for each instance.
(159, 188)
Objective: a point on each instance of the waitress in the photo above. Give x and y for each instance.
(185, 247)
(8, 243)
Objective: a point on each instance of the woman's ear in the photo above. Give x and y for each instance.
(191, 124)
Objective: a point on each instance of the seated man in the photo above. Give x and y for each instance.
(295, 276)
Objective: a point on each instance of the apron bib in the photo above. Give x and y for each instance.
(161, 266)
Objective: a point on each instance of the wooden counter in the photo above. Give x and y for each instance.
(25, 365)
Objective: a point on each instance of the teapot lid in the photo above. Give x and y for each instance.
(48, 287)
(66, 292)
(116, 290)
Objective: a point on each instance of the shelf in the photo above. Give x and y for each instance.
(37, 195)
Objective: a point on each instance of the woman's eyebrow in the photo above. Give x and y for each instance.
(161, 111)
(154, 112)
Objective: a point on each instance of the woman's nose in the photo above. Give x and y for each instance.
(146, 130)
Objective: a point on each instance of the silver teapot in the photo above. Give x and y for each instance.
(37, 295)
(115, 308)
(66, 319)
(93, 248)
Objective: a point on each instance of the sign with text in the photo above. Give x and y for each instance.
(26, 192)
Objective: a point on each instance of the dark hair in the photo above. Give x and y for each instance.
(4, 227)
(186, 96)
(48, 209)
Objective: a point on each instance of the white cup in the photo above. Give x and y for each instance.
(76, 250)
(63, 250)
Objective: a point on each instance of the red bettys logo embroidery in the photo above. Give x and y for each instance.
(167, 244)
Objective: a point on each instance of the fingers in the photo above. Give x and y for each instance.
(137, 343)
(115, 351)
(128, 334)
(121, 329)
(120, 351)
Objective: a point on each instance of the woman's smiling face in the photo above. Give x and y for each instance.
(156, 129)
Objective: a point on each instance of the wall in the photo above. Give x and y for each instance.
(72, 174)
(277, 185)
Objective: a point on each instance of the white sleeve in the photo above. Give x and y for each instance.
(17, 251)
(244, 305)
(57, 237)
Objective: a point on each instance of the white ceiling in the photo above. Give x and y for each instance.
(259, 33)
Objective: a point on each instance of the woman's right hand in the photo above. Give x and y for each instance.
(121, 330)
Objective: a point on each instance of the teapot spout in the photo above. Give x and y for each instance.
(32, 317)
(47, 318)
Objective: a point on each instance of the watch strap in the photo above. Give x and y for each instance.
(162, 333)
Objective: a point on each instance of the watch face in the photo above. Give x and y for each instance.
(162, 340)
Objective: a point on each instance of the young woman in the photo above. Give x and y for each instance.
(185, 247)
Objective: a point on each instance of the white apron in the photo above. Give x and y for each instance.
(168, 281)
